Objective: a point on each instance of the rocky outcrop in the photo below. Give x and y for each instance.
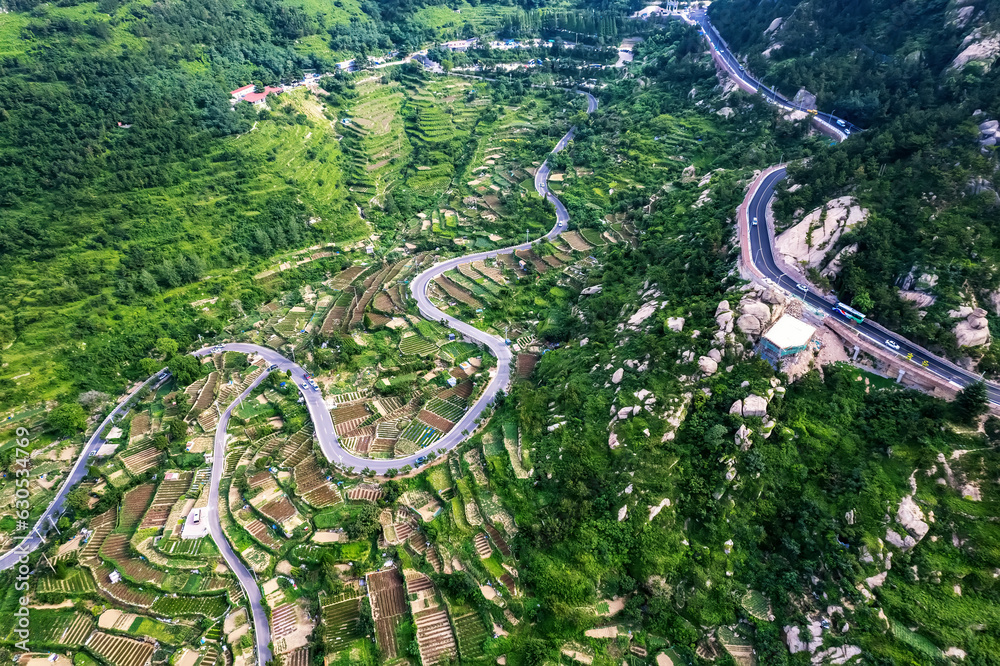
(911, 517)
(973, 331)
(978, 47)
(675, 324)
(617, 377)
(918, 298)
(808, 242)
(833, 268)
(980, 185)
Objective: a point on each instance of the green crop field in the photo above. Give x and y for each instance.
(460, 351)
(209, 606)
(173, 634)
(417, 346)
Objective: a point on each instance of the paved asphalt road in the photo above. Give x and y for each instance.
(735, 70)
(79, 470)
(762, 256)
(262, 629)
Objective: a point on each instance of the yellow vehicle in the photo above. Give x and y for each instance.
(813, 111)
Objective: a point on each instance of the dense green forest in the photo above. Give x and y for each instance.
(893, 69)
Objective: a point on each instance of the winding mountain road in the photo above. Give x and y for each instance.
(757, 240)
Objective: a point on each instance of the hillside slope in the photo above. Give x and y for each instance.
(921, 77)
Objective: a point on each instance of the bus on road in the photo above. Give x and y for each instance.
(849, 312)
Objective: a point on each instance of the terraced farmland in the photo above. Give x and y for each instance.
(416, 345)
(340, 616)
(119, 650)
(471, 634)
(60, 627)
(174, 485)
(208, 606)
(421, 435)
(77, 582)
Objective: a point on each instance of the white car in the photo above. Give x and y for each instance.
(802, 288)
(754, 223)
(847, 132)
(892, 344)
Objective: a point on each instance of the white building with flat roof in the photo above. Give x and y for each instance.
(787, 337)
(195, 525)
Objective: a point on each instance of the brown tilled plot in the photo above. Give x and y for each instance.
(435, 421)
(279, 510)
(389, 607)
(526, 364)
(173, 486)
(457, 292)
(116, 548)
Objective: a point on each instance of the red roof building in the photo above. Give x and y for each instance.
(258, 98)
(240, 93)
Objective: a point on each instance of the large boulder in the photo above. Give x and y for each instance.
(617, 377)
(723, 307)
(715, 355)
(737, 408)
(773, 296)
(725, 321)
(750, 325)
(757, 309)
(973, 331)
(754, 405)
(708, 365)
(675, 324)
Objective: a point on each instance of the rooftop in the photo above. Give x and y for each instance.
(789, 332)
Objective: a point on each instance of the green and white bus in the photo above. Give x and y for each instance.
(849, 312)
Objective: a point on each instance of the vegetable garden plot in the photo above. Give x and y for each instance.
(434, 421)
(134, 505)
(279, 510)
(451, 409)
(365, 493)
(119, 650)
(457, 292)
(142, 460)
(101, 526)
(576, 241)
(346, 277)
(65, 628)
(116, 549)
(471, 634)
(177, 606)
(77, 582)
(389, 607)
(526, 364)
(415, 345)
(340, 616)
(263, 534)
(421, 434)
(173, 486)
(120, 592)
